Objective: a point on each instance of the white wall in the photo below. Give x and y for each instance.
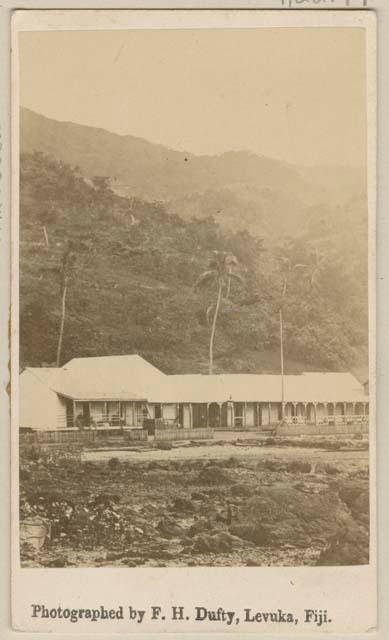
(265, 413)
(250, 416)
(186, 424)
(274, 409)
(169, 411)
(39, 407)
(128, 408)
(97, 410)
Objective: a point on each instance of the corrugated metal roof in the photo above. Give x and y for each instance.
(306, 387)
(102, 378)
(110, 377)
(133, 378)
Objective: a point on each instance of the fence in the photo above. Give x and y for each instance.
(328, 420)
(183, 434)
(58, 437)
(137, 435)
(322, 430)
(76, 436)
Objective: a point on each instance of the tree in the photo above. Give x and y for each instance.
(316, 264)
(220, 272)
(102, 183)
(67, 265)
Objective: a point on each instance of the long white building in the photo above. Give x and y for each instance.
(123, 391)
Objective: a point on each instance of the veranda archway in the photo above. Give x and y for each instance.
(289, 410)
(214, 415)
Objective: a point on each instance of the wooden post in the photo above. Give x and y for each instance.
(45, 236)
(120, 415)
(269, 412)
(315, 412)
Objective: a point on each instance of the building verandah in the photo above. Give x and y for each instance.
(258, 415)
(325, 412)
(228, 415)
(105, 413)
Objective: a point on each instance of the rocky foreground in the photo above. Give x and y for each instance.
(242, 510)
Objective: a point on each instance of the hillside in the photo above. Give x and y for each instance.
(240, 190)
(132, 291)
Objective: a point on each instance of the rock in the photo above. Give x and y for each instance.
(183, 504)
(114, 555)
(232, 462)
(129, 562)
(252, 563)
(168, 528)
(165, 446)
(325, 468)
(259, 535)
(113, 463)
(56, 563)
(347, 547)
(271, 465)
(242, 490)
(214, 475)
(350, 492)
(201, 525)
(220, 542)
(197, 495)
(298, 466)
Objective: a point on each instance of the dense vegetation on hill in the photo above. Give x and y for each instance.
(241, 190)
(132, 286)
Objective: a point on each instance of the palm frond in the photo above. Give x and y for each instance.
(235, 276)
(206, 277)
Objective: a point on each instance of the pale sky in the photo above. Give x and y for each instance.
(297, 94)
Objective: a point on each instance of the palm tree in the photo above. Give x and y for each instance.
(67, 264)
(231, 262)
(220, 272)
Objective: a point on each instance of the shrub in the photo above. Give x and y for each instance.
(114, 463)
(165, 446)
(297, 466)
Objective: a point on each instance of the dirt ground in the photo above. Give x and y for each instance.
(246, 502)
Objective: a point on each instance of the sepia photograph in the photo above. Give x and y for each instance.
(194, 304)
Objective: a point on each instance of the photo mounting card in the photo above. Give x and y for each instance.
(193, 322)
